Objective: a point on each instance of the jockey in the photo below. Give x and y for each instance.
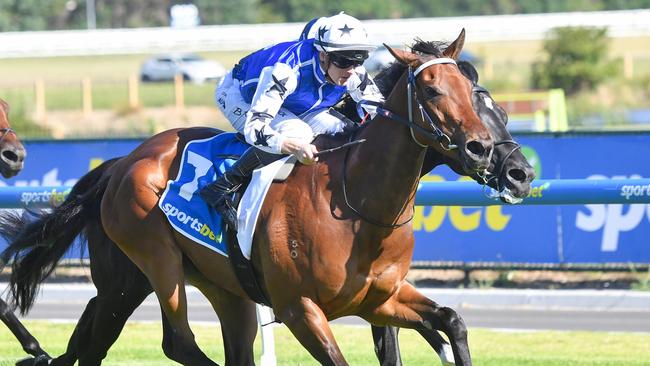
(279, 98)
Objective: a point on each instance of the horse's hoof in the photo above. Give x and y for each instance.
(41, 360)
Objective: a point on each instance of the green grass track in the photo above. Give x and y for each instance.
(140, 345)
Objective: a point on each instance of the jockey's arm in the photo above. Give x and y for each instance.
(275, 84)
(361, 87)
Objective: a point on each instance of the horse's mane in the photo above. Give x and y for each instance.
(385, 81)
(387, 77)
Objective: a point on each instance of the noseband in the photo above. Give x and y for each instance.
(499, 168)
(4, 132)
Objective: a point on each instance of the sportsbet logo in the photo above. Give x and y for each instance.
(190, 222)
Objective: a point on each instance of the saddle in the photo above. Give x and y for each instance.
(242, 266)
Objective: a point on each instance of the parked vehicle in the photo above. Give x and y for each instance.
(193, 68)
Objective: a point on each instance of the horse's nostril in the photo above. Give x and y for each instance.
(475, 148)
(10, 155)
(517, 174)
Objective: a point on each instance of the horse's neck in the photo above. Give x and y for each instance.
(387, 165)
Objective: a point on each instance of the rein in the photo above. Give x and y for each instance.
(347, 202)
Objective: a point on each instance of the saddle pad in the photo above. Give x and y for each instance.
(201, 163)
(252, 200)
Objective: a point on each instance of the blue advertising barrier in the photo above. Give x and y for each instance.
(543, 192)
(586, 232)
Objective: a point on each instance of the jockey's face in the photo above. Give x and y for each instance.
(335, 74)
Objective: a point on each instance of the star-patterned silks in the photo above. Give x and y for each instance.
(321, 32)
(365, 82)
(346, 30)
(262, 116)
(279, 85)
(260, 138)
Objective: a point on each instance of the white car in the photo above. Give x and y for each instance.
(192, 67)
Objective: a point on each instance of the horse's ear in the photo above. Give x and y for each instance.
(453, 50)
(403, 57)
(4, 106)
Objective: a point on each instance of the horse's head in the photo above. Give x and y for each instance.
(447, 113)
(12, 151)
(509, 171)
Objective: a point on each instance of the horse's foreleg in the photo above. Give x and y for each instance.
(386, 345)
(26, 339)
(407, 308)
(311, 328)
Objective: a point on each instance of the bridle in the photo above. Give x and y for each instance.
(435, 133)
(486, 178)
(4, 132)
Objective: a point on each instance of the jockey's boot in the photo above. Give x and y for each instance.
(217, 193)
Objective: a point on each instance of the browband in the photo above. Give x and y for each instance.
(435, 61)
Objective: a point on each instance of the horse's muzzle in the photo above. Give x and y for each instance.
(477, 154)
(12, 160)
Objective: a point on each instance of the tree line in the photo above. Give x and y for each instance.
(35, 15)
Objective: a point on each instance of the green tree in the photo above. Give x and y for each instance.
(574, 59)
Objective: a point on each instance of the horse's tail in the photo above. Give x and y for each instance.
(38, 240)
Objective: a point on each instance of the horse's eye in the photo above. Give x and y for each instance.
(431, 92)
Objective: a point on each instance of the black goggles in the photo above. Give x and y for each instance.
(344, 62)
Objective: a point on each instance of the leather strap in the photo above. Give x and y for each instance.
(243, 267)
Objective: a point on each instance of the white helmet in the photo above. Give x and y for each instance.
(342, 32)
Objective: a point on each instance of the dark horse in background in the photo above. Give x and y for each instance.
(510, 175)
(104, 316)
(12, 157)
(12, 151)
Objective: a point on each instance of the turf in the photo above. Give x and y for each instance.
(140, 345)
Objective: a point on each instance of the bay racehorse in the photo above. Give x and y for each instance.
(360, 273)
(116, 277)
(12, 157)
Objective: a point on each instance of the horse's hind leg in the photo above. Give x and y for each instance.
(439, 344)
(158, 257)
(121, 288)
(311, 328)
(407, 308)
(111, 314)
(387, 345)
(238, 322)
(26, 339)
